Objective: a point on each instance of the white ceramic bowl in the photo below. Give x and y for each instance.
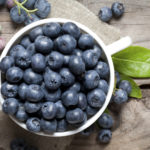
(108, 51)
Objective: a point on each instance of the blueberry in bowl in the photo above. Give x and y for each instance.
(55, 78)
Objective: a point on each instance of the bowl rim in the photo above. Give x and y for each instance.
(91, 120)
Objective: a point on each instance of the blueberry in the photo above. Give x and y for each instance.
(120, 96)
(6, 63)
(105, 14)
(21, 115)
(117, 9)
(61, 125)
(31, 49)
(30, 19)
(75, 116)
(66, 59)
(33, 124)
(67, 78)
(76, 87)
(77, 52)
(2, 2)
(104, 136)
(90, 58)
(102, 69)
(22, 91)
(76, 65)
(34, 33)
(15, 49)
(16, 17)
(29, 4)
(34, 93)
(55, 60)
(66, 44)
(103, 85)
(117, 77)
(52, 29)
(82, 101)
(23, 59)
(51, 96)
(18, 144)
(52, 80)
(105, 121)
(38, 62)
(10, 106)
(97, 50)
(43, 44)
(49, 110)
(14, 75)
(43, 8)
(96, 98)
(91, 79)
(61, 110)
(31, 77)
(9, 90)
(70, 98)
(86, 41)
(88, 131)
(125, 85)
(25, 41)
(48, 126)
(72, 29)
(32, 107)
(91, 111)
(82, 122)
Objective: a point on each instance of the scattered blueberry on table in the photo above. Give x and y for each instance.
(106, 14)
(21, 144)
(104, 136)
(117, 9)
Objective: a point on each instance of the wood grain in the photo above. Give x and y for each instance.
(131, 129)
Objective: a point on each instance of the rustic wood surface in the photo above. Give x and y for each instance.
(132, 126)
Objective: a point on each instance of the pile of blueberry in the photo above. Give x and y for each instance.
(54, 78)
(116, 10)
(21, 144)
(105, 122)
(27, 11)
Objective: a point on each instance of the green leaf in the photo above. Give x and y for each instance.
(136, 91)
(106, 111)
(133, 61)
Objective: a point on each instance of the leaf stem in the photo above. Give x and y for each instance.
(20, 5)
(24, 2)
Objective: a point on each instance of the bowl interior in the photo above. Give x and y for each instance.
(16, 39)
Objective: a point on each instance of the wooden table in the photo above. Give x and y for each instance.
(132, 126)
